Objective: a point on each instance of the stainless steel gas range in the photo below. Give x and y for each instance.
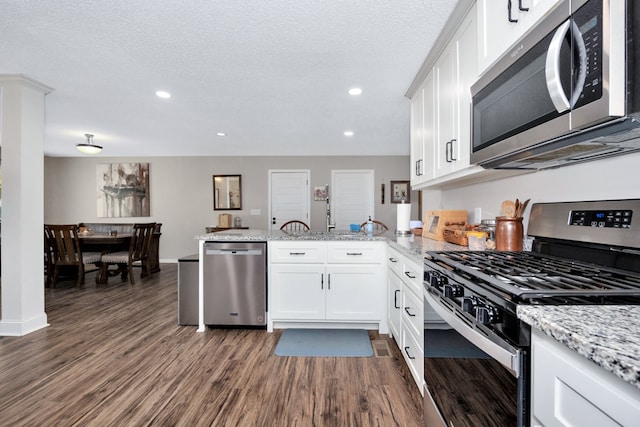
(583, 253)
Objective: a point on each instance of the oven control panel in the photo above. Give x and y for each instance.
(601, 218)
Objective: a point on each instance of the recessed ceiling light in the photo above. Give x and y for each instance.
(221, 134)
(163, 94)
(355, 91)
(348, 133)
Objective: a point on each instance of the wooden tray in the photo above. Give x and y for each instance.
(457, 233)
(435, 222)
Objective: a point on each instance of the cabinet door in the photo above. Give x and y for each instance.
(297, 291)
(394, 299)
(356, 252)
(568, 389)
(445, 102)
(467, 74)
(354, 292)
(456, 71)
(416, 138)
(537, 10)
(297, 252)
(497, 32)
(414, 356)
(429, 127)
(422, 132)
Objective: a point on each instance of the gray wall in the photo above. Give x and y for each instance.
(182, 194)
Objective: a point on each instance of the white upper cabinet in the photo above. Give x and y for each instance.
(456, 71)
(441, 109)
(422, 120)
(502, 22)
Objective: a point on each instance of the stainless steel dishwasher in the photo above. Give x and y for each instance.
(235, 283)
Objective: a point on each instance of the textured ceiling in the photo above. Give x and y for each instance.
(273, 75)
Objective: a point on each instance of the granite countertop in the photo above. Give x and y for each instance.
(413, 246)
(608, 335)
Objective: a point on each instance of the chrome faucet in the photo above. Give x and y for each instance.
(329, 225)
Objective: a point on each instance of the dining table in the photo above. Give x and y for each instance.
(104, 243)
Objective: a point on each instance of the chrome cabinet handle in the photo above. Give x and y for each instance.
(406, 350)
(393, 260)
(395, 298)
(406, 273)
(509, 13)
(406, 309)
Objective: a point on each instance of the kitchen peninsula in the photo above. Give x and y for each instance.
(358, 302)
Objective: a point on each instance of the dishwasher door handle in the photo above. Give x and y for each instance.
(233, 252)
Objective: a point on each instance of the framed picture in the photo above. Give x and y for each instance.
(319, 193)
(227, 192)
(400, 192)
(123, 190)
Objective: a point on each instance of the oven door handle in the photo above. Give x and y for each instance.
(508, 359)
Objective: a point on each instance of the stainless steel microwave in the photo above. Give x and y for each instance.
(566, 92)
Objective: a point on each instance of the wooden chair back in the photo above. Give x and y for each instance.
(294, 226)
(141, 241)
(62, 247)
(64, 243)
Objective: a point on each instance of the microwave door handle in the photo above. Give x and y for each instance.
(578, 40)
(552, 69)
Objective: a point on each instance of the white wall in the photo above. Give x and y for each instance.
(607, 179)
(182, 191)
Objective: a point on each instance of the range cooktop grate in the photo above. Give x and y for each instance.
(528, 275)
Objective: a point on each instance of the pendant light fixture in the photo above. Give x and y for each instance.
(89, 147)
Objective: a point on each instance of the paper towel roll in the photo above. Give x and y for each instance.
(404, 217)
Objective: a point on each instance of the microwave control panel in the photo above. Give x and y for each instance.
(602, 218)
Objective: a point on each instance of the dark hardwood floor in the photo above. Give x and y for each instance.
(114, 355)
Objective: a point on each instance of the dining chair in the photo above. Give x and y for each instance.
(136, 256)
(378, 226)
(62, 248)
(294, 226)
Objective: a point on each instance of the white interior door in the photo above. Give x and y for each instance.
(351, 197)
(289, 196)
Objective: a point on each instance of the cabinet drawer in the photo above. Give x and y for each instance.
(298, 252)
(394, 261)
(413, 275)
(356, 253)
(412, 311)
(414, 356)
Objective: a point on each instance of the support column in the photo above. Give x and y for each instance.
(22, 140)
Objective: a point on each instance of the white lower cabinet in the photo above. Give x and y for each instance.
(394, 301)
(570, 390)
(297, 291)
(406, 311)
(344, 285)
